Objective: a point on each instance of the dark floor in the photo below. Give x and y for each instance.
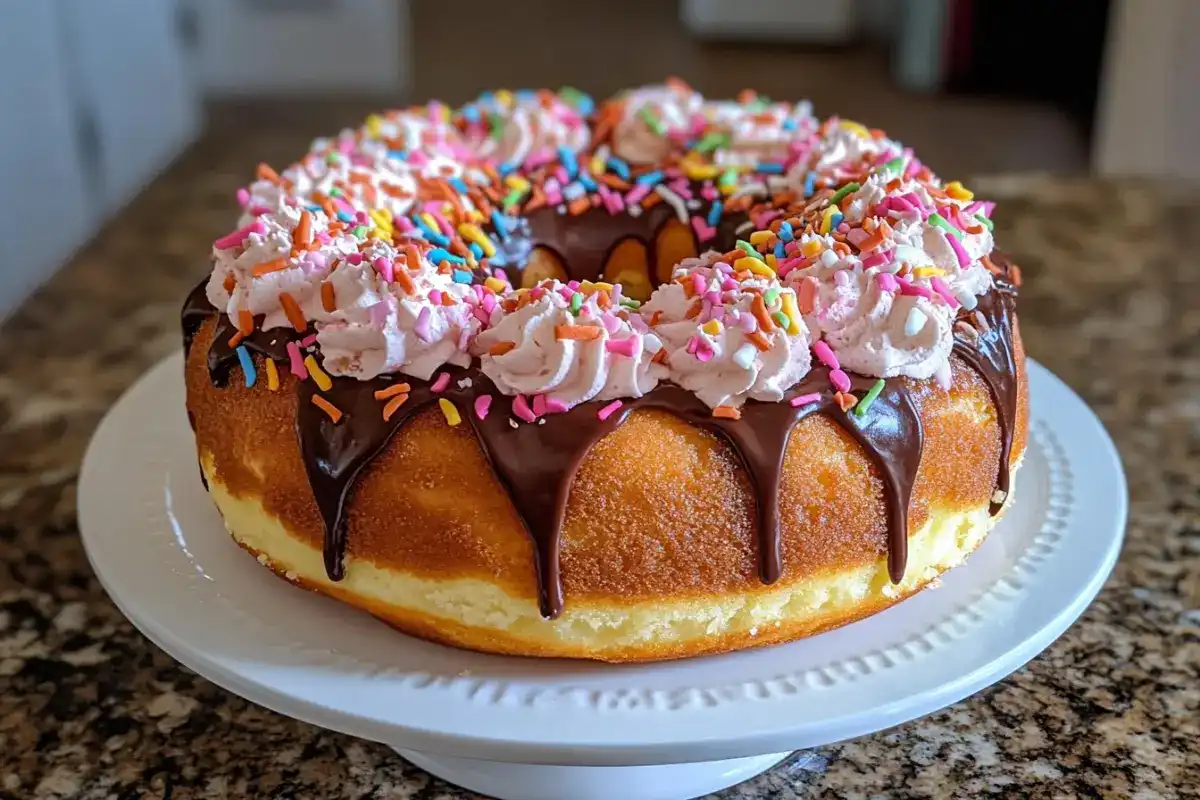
(461, 47)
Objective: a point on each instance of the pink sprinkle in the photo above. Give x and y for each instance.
(346, 145)
(421, 328)
(791, 247)
(435, 296)
(440, 382)
(572, 284)
(887, 281)
(243, 197)
(693, 345)
(309, 341)
(610, 322)
(804, 399)
(561, 174)
(500, 274)
(728, 285)
(238, 236)
(608, 410)
(258, 211)
(879, 258)
(361, 218)
(988, 207)
(354, 258)
(483, 404)
(442, 222)
(637, 194)
(384, 267)
(404, 224)
(625, 347)
(959, 253)
(417, 158)
(941, 288)
(378, 314)
(615, 294)
(910, 288)
(481, 314)
(297, 363)
(748, 323)
(464, 340)
(555, 406)
(539, 405)
(521, 408)
(840, 380)
(698, 285)
(856, 236)
(764, 219)
(537, 293)
(708, 191)
(489, 302)
(703, 230)
(825, 354)
(973, 207)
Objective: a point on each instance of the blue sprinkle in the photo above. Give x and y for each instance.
(437, 255)
(471, 113)
(247, 365)
(462, 276)
(785, 231)
(618, 166)
(314, 209)
(501, 225)
(430, 233)
(835, 221)
(459, 185)
(587, 181)
(568, 161)
(476, 250)
(507, 168)
(714, 213)
(779, 253)
(525, 94)
(789, 124)
(650, 178)
(770, 167)
(344, 217)
(810, 184)
(398, 155)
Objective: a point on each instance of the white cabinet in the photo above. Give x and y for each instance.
(95, 100)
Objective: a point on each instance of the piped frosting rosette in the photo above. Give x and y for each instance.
(525, 128)
(747, 133)
(732, 332)
(654, 120)
(557, 345)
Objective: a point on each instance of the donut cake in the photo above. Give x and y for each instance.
(644, 379)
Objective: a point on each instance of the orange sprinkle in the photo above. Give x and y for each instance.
(328, 300)
(660, 357)
(267, 267)
(759, 308)
(302, 234)
(229, 283)
(871, 242)
(655, 317)
(236, 339)
(392, 391)
(245, 322)
(651, 200)
(334, 413)
(726, 412)
(583, 333)
(392, 405)
(266, 173)
(578, 206)
(759, 340)
(500, 348)
(806, 298)
(292, 309)
(845, 401)
(694, 309)
(613, 182)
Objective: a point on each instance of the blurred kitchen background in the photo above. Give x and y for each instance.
(99, 97)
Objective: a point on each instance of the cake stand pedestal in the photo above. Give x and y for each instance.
(535, 729)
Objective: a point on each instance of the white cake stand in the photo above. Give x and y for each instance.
(529, 729)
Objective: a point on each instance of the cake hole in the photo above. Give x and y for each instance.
(675, 243)
(543, 265)
(628, 265)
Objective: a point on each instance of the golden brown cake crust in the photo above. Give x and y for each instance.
(659, 510)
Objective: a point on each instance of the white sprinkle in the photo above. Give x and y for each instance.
(968, 300)
(674, 201)
(465, 383)
(828, 258)
(561, 208)
(513, 423)
(651, 343)
(744, 356)
(745, 226)
(693, 204)
(542, 421)
(914, 256)
(914, 322)
(634, 211)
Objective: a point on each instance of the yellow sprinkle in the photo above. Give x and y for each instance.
(374, 124)
(712, 327)
(793, 313)
(503, 96)
(428, 219)
(755, 266)
(827, 218)
(515, 181)
(928, 272)
(958, 191)
(496, 285)
(812, 247)
(726, 188)
(856, 128)
(472, 233)
(597, 165)
(699, 172)
(381, 217)
(322, 380)
(771, 260)
(760, 237)
(449, 411)
(272, 376)
(603, 286)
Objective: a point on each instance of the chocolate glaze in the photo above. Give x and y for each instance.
(537, 463)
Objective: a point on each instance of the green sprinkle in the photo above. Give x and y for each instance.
(771, 296)
(360, 231)
(495, 126)
(647, 116)
(842, 192)
(895, 165)
(987, 223)
(749, 250)
(939, 221)
(782, 319)
(860, 410)
(335, 192)
(727, 177)
(512, 198)
(629, 302)
(576, 303)
(712, 141)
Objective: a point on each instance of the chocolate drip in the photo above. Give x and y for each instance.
(991, 356)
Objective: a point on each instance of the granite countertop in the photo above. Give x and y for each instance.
(1111, 303)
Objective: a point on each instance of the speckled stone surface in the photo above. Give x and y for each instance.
(90, 709)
